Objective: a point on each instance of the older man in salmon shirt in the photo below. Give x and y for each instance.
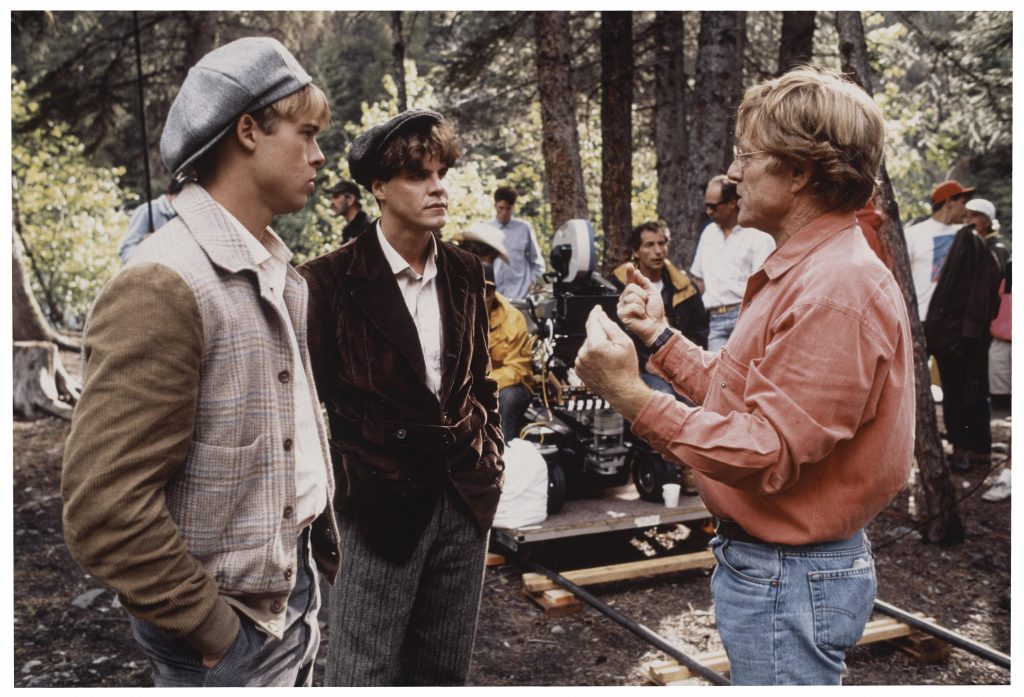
(805, 427)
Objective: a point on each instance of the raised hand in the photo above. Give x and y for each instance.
(607, 364)
(641, 308)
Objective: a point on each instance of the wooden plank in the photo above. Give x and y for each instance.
(495, 559)
(883, 629)
(534, 583)
(556, 603)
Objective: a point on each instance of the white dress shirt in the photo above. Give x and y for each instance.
(420, 294)
(725, 263)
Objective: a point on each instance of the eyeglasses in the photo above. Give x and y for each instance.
(741, 157)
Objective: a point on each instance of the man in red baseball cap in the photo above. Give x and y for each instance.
(928, 242)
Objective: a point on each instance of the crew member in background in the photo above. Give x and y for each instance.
(727, 254)
(345, 203)
(681, 298)
(928, 242)
(525, 264)
(509, 342)
(139, 223)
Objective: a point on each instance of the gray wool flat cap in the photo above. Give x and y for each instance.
(237, 78)
(365, 152)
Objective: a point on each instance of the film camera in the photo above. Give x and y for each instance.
(585, 443)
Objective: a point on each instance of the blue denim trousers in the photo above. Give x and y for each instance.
(720, 327)
(255, 659)
(786, 614)
(512, 404)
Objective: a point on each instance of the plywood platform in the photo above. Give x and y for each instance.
(619, 508)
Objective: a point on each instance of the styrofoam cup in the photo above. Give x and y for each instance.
(670, 492)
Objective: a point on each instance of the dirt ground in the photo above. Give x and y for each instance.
(70, 632)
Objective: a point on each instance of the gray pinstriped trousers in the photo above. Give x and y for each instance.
(411, 623)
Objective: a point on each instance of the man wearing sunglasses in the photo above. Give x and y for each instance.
(727, 255)
(929, 241)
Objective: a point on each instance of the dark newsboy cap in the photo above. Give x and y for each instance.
(344, 187)
(237, 78)
(366, 150)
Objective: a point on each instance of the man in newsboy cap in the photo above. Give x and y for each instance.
(398, 340)
(196, 476)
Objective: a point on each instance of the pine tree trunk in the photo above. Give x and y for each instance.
(796, 45)
(944, 525)
(670, 127)
(398, 59)
(202, 38)
(560, 135)
(616, 135)
(711, 111)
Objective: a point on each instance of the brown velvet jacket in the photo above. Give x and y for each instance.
(394, 446)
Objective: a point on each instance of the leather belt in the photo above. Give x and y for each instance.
(722, 309)
(731, 530)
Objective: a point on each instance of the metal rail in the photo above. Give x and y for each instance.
(641, 631)
(950, 637)
(715, 678)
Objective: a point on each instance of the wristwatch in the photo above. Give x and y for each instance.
(662, 339)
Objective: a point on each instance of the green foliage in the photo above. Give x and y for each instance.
(69, 214)
(945, 86)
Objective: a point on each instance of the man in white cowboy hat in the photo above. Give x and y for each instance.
(196, 476)
(509, 342)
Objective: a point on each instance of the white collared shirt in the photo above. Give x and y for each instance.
(271, 256)
(725, 263)
(420, 294)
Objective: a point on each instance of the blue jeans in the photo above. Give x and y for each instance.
(720, 327)
(512, 403)
(255, 659)
(786, 614)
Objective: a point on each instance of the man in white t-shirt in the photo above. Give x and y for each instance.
(727, 255)
(929, 241)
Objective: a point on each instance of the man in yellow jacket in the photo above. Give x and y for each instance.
(509, 342)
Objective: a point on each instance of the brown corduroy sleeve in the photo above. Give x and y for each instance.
(130, 434)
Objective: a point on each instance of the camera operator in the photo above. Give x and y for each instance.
(806, 428)
(680, 296)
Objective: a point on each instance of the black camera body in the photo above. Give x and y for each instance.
(586, 443)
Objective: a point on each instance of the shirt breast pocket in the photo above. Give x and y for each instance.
(515, 243)
(728, 384)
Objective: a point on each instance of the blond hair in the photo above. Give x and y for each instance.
(818, 117)
(308, 102)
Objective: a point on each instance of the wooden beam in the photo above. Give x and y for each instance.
(535, 583)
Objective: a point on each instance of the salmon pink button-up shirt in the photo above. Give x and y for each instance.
(806, 428)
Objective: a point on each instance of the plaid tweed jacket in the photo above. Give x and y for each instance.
(179, 472)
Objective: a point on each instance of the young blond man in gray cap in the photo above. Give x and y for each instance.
(398, 339)
(196, 476)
